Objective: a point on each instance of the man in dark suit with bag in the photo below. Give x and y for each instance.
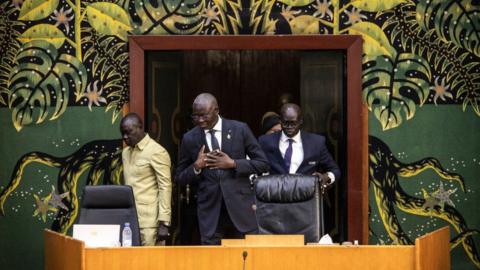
(214, 155)
(294, 151)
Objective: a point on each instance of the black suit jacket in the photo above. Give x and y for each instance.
(316, 157)
(233, 185)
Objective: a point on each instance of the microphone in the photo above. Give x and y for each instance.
(244, 255)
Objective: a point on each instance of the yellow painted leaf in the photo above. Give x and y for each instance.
(297, 3)
(109, 19)
(33, 10)
(44, 32)
(376, 5)
(304, 24)
(219, 3)
(375, 41)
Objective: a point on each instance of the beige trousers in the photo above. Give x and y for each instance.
(148, 237)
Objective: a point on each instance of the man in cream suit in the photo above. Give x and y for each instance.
(146, 167)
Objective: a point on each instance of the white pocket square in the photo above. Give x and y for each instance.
(312, 162)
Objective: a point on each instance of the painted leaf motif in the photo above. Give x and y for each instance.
(262, 9)
(148, 15)
(296, 3)
(44, 32)
(175, 16)
(9, 46)
(455, 21)
(109, 19)
(33, 10)
(225, 16)
(474, 102)
(220, 3)
(42, 82)
(109, 58)
(304, 24)
(375, 41)
(376, 5)
(393, 87)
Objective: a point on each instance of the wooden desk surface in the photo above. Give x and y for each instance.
(431, 252)
(306, 257)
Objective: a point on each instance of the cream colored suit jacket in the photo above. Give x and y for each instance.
(146, 168)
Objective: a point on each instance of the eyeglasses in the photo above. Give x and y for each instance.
(290, 123)
(203, 116)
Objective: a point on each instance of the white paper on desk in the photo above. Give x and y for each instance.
(326, 240)
(97, 235)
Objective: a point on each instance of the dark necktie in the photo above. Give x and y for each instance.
(214, 140)
(288, 155)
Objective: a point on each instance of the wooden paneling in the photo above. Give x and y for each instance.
(137, 78)
(63, 252)
(261, 258)
(245, 42)
(266, 240)
(246, 83)
(432, 252)
(429, 253)
(357, 147)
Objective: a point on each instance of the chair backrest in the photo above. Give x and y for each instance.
(110, 204)
(289, 204)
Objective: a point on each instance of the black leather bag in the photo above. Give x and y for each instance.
(289, 204)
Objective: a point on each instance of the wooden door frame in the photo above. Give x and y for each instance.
(357, 125)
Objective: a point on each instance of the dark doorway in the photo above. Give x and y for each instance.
(352, 121)
(247, 84)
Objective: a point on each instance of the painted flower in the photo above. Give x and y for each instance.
(210, 13)
(441, 90)
(288, 13)
(322, 9)
(61, 17)
(354, 16)
(93, 95)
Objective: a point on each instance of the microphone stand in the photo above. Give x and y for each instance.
(244, 255)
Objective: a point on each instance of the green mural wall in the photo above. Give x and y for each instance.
(64, 82)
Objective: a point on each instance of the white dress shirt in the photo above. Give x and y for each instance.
(297, 150)
(218, 134)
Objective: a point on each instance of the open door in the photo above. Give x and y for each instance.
(248, 74)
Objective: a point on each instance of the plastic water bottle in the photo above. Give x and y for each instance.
(127, 235)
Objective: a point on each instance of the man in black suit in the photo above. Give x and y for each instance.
(292, 151)
(213, 154)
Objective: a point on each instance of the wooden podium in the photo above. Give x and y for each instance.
(259, 252)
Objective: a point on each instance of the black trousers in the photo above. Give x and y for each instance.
(225, 229)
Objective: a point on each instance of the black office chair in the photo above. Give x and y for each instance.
(110, 204)
(289, 204)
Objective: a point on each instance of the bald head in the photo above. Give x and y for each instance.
(206, 99)
(293, 107)
(131, 128)
(131, 119)
(292, 120)
(205, 111)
